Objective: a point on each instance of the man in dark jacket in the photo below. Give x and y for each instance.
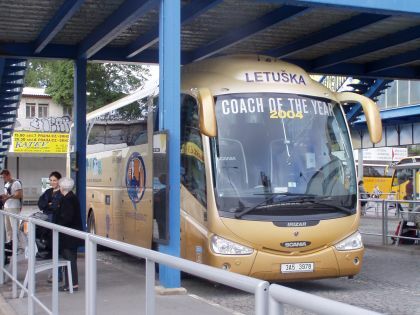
(68, 215)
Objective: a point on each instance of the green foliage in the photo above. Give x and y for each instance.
(105, 82)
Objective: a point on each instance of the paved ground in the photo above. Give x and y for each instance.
(389, 283)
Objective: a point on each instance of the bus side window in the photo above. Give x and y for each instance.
(193, 175)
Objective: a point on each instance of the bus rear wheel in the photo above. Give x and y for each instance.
(91, 223)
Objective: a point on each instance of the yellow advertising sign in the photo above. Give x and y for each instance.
(40, 142)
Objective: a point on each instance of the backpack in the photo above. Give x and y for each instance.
(9, 190)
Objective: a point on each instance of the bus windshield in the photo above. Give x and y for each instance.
(282, 155)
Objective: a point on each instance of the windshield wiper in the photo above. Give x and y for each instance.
(318, 201)
(295, 198)
(271, 197)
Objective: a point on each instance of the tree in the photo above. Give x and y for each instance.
(105, 82)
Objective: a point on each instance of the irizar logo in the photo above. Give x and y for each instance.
(295, 244)
(296, 224)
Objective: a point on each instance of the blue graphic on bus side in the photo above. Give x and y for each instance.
(135, 178)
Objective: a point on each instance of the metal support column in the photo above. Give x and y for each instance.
(80, 130)
(359, 164)
(169, 104)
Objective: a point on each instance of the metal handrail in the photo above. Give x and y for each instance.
(251, 285)
(280, 295)
(385, 209)
(269, 299)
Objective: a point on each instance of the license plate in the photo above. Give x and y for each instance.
(299, 267)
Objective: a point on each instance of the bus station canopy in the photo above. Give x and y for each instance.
(343, 37)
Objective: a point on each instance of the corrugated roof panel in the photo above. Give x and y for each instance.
(219, 20)
(90, 16)
(22, 21)
(391, 51)
(139, 28)
(365, 34)
(276, 36)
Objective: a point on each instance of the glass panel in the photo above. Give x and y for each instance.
(391, 136)
(406, 134)
(381, 143)
(416, 132)
(402, 93)
(356, 139)
(381, 102)
(271, 147)
(366, 143)
(392, 95)
(30, 110)
(42, 110)
(160, 183)
(193, 175)
(119, 128)
(414, 92)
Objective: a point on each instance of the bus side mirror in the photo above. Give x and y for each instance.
(206, 111)
(373, 119)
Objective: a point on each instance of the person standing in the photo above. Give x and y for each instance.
(68, 215)
(48, 203)
(12, 200)
(363, 195)
(50, 199)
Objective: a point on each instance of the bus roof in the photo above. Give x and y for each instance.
(413, 165)
(147, 90)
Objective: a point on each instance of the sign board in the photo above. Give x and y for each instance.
(40, 142)
(388, 154)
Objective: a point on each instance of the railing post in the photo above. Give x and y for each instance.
(31, 267)
(2, 247)
(385, 205)
(55, 273)
(261, 298)
(14, 255)
(383, 224)
(150, 287)
(274, 307)
(90, 266)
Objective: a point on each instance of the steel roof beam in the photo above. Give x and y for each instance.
(339, 29)
(243, 32)
(394, 61)
(7, 116)
(388, 41)
(64, 13)
(403, 7)
(128, 13)
(188, 12)
(356, 109)
(359, 70)
(2, 63)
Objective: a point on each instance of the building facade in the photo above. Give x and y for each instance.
(39, 142)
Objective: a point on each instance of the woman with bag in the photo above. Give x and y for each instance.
(68, 214)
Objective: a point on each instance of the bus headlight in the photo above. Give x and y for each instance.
(354, 241)
(220, 245)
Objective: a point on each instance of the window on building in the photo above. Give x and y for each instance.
(30, 110)
(42, 110)
(67, 111)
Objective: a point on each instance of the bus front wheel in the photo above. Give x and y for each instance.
(91, 223)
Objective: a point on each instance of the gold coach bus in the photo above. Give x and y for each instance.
(268, 180)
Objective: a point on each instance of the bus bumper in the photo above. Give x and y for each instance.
(328, 263)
